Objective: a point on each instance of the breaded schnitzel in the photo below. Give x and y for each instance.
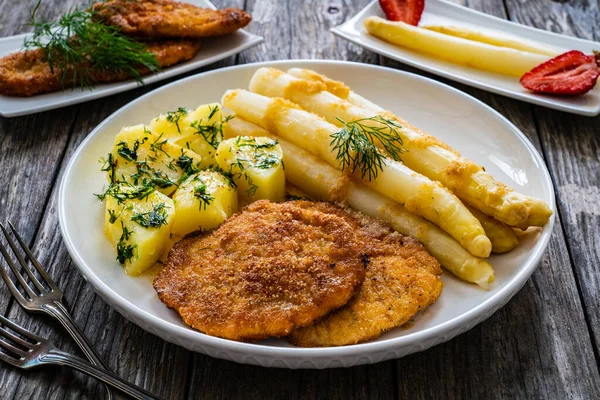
(265, 271)
(401, 280)
(28, 73)
(169, 19)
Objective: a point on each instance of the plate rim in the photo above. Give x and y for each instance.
(470, 318)
(252, 40)
(338, 30)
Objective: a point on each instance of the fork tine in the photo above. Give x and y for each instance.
(49, 281)
(30, 274)
(11, 286)
(9, 347)
(20, 329)
(16, 272)
(15, 338)
(8, 359)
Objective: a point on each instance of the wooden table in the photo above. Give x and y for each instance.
(542, 344)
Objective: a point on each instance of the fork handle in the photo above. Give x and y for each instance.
(58, 311)
(58, 357)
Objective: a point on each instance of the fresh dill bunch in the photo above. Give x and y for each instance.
(356, 144)
(76, 46)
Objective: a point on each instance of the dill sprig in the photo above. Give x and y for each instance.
(77, 47)
(356, 144)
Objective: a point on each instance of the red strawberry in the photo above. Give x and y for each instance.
(408, 11)
(569, 74)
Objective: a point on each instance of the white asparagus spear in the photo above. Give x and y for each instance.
(336, 87)
(469, 53)
(396, 181)
(425, 154)
(322, 182)
(500, 39)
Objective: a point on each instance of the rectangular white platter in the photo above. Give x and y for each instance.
(438, 11)
(212, 50)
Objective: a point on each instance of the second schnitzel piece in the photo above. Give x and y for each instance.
(169, 19)
(402, 279)
(27, 73)
(265, 271)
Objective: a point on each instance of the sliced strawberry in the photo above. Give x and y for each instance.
(569, 74)
(408, 11)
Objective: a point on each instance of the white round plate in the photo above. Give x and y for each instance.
(477, 131)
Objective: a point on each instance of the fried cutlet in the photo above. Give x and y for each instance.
(169, 19)
(264, 272)
(28, 73)
(401, 280)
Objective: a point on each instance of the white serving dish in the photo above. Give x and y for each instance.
(476, 130)
(213, 50)
(453, 14)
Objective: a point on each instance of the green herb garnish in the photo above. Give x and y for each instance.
(152, 219)
(212, 133)
(175, 116)
(356, 144)
(78, 47)
(201, 193)
(125, 251)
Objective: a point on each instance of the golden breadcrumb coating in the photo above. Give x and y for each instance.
(265, 271)
(169, 19)
(28, 73)
(401, 280)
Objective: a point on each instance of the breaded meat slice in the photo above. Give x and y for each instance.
(264, 272)
(169, 19)
(402, 279)
(28, 73)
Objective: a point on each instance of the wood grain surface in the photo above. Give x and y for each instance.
(542, 344)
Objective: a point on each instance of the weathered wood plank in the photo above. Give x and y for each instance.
(527, 348)
(572, 148)
(133, 353)
(31, 150)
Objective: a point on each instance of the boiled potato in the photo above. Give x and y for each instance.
(256, 165)
(138, 227)
(199, 130)
(139, 157)
(203, 201)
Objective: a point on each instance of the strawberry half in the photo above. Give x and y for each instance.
(569, 74)
(408, 11)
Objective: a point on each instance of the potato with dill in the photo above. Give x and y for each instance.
(137, 222)
(256, 165)
(203, 201)
(140, 157)
(200, 130)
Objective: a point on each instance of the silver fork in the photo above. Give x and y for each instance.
(48, 301)
(26, 350)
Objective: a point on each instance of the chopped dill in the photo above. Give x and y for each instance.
(125, 251)
(356, 144)
(157, 146)
(78, 47)
(122, 192)
(212, 133)
(127, 153)
(202, 194)
(175, 116)
(113, 216)
(109, 164)
(152, 219)
(251, 191)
